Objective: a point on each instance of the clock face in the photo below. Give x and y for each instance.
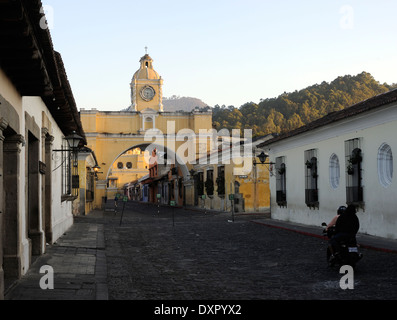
(148, 93)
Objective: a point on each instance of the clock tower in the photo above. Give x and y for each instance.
(146, 87)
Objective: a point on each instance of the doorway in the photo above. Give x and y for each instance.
(33, 178)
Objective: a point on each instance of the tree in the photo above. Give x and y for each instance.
(292, 110)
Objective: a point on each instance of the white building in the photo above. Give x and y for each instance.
(344, 158)
(37, 111)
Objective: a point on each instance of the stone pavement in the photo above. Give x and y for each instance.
(79, 264)
(200, 255)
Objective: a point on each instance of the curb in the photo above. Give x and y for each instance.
(362, 242)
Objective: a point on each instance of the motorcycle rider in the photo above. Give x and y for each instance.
(346, 227)
(340, 211)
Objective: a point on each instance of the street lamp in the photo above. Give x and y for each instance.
(262, 158)
(73, 141)
(96, 171)
(68, 156)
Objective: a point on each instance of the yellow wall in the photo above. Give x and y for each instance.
(131, 122)
(254, 188)
(110, 134)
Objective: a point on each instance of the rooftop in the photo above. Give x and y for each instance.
(28, 58)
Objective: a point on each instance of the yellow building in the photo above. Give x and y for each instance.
(87, 163)
(230, 177)
(147, 126)
(131, 166)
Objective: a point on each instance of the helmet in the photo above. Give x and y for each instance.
(341, 210)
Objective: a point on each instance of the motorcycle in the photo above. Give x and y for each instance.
(348, 254)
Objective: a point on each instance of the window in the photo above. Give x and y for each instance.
(311, 179)
(354, 159)
(129, 165)
(220, 181)
(120, 165)
(66, 172)
(334, 171)
(200, 184)
(209, 183)
(385, 165)
(180, 186)
(145, 191)
(90, 177)
(281, 182)
(70, 175)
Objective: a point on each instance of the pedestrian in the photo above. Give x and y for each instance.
(116, 198)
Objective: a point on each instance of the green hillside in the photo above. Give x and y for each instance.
(292, 110)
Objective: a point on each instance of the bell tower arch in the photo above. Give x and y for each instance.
(146, 87)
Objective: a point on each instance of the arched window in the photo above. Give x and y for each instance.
(148, 122)
(334, 171)
(385, 165)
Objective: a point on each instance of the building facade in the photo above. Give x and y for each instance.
(347, 157)
(232, 178)
(144, 125)
(37, 111)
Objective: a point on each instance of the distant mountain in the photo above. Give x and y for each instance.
(188, 104)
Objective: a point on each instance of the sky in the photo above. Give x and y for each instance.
(225, 52)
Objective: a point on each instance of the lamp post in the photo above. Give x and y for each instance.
(73, 141)
(96, 171)
(262, 158)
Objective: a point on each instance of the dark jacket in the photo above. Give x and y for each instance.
(348, 222)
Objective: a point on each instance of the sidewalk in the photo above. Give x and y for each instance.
(365, 241)
(79, 264)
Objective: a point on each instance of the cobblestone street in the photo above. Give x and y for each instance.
(205, 256)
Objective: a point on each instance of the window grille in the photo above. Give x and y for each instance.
(281, 182)
(220, 181)
(209, 183)
(311, 178)
(200, 183)
(354, 159)
(70, 174)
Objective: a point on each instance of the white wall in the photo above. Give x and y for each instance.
(62, 212)
(375, 128)
(62, 217)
